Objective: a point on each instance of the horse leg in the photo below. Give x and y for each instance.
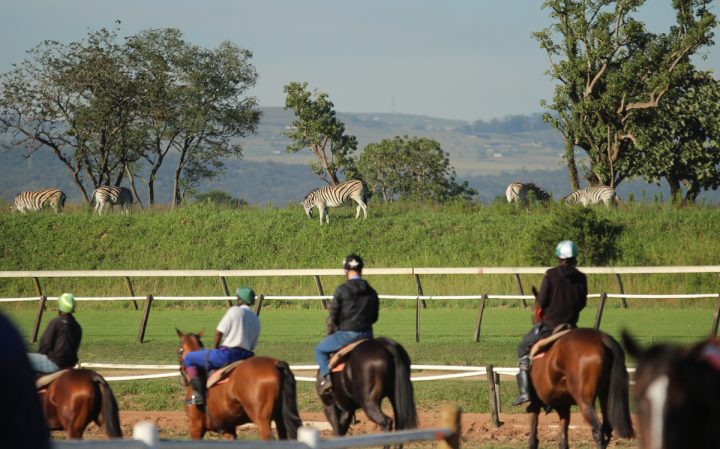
(564, 414)
(533, 439)
(588, 411)
(606, 427)
(229, 434)
(372, 409)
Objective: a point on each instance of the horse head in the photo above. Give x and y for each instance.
(188, 342)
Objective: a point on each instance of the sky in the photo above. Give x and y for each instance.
(458, 59)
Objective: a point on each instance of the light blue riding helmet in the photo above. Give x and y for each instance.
(566, 250)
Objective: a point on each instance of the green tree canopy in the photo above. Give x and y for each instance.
(415, 168)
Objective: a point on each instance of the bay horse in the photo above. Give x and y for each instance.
(582, 365)
(375, 369)
(677, 394)
(77, 398)
(259, 390)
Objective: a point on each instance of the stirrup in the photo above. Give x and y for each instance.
(521, 400)
(194, 401)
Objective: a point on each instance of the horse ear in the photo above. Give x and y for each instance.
(201, 333)
(179, 333)
(535, 292)
(631, 346)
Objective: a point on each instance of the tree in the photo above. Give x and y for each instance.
(612, 74)
(316, 127)
(416, 168)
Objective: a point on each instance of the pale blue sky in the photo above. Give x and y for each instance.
(461, 59)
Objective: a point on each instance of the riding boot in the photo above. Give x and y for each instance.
(325, 385)
(523, 381)
(198, 385)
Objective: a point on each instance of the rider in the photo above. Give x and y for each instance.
(60, 342)
(563, 294)
(238, 331)
(353, 311)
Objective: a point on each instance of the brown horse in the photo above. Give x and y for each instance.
(375, 369)
(581, 366)
(259, 390)
(77, 398)
(677, 392)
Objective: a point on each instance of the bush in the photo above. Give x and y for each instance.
(219, 198)
(596, 238)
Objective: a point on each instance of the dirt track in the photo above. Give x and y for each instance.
(477, 428)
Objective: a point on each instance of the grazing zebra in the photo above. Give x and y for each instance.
(37, 199)
(518, 192)
(115, 196)
(334, 196)
(593, 195)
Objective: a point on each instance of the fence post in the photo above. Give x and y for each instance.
(147, 432)
(38, 290)
(321, 292)
(417, 319)
(492, 396)
(619, 283)
(259, 305)
(601, 307)
(129, 286)
(716, 320)
(145, 316)
(38, 317)
(225, 290)
(520, 288)
(309, 436)
(450, 419)
(481, 309)
(497, 392)
(420, 290)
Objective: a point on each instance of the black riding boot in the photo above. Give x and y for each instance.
(325, 385)
(198, 385)
(523, 381)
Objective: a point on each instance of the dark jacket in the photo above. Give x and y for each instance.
(563, 294)
(354, 306)
(61, 340)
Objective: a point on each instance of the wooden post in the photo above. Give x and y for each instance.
(38, 290)
(619, 283)
(417, 319)
(481, 309)
(450, 419)
(321, 292)
(145, 316)
(497, 392)
(225, 290)
(716, 321)
(129, 286)
(520, 288)
(258, 306)
(492, 396)
(38, 317)
(420, 290)
(601, 307)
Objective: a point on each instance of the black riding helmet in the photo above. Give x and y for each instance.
(353, 262)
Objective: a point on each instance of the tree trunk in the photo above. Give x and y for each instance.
(76, 180)
(132, 186)
(675, 192)
(571, 165)
(176, 187)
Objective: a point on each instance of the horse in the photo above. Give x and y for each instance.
(676, 394)
(259, 390)
(375, 369)
(579, 367)
(76, 398)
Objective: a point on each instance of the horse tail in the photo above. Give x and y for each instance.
(618, 408)
(109, 410)
(404, 400)
(287, 401)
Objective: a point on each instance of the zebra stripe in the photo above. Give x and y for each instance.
(115, 196)
(593, 195)
(37, 199)
(518, 192)
(334, 196)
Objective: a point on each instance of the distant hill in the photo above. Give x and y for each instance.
(489, 155)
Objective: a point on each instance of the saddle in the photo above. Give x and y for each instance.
(541, 346)
(220, 375)
(46, 379)
(337, 361)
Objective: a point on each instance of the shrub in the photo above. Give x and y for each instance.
(596, 237)
(219, 198)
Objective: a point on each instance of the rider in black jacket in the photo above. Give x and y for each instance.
(60, 342)
(353, 311)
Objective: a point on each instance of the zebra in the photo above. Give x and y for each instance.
(518, 192)
(334, 196)
(37, 199)
(593, 195)
(115, 196)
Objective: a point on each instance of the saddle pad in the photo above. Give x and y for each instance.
(221, 373)
(338, 368)
(340, 355)
(546, 342)
(47, 379)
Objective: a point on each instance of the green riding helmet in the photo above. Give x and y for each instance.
(66, 303)
(246, 295)
(566, 250)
